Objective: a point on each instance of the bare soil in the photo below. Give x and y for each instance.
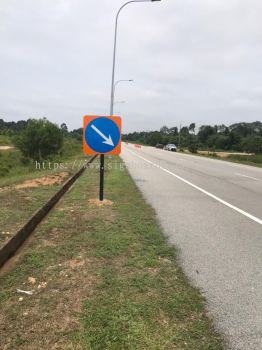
(55, 179)
(226, 154)
(98, 203)
(5, 148)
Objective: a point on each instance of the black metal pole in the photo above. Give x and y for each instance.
(102, 172)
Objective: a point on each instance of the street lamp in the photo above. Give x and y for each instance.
(120, 81)
(114, 53)
(116, 83)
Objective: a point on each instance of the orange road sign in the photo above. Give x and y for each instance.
(102, 135)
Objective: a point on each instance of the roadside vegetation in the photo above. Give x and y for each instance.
(254, 159)
(5, 140)
(238, 138)
(102, 277)
(33, 143)
(26, 181)
(40, 139)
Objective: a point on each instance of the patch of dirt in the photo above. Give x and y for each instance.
(5, 148)
(4, 189)
(153, 270)
(55, 179)
(225, 154)
(47, 243)
(98, 203)
(74, 263)
(165, 260)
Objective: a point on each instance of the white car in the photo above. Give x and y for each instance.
(170, 147)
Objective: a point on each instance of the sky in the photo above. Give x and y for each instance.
(192, 61)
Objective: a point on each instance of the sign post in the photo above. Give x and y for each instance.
(102, 176)
(102, 135)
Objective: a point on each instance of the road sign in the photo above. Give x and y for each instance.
(102, 135)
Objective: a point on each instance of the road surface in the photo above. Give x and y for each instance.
(212, 211)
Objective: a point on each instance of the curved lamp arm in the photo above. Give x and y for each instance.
(114, 53)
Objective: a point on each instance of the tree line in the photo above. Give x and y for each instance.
(241, 137)
(39, 138)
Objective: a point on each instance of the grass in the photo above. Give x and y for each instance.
(255, 160)
(20, 204)
(112, 281)
(14, 167)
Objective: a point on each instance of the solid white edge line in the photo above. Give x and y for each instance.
(250, 177)
(252, 217)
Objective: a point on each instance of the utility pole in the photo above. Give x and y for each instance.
(180, 136)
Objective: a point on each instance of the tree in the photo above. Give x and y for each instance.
(222, 129)
(153, 138)
(205, 132)
(164, 130)
(237, 137)
(173, 131)
(222, 142)
(252, 144)
(64, 128)
(192, 144)
(192, 127)
(184, 131)
(21, 125)
(40, 139)
(78, 133)
(2, 125)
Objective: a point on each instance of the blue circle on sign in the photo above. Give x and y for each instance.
(102, 135)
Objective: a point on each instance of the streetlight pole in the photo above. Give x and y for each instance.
(102, 157)
(114, 53)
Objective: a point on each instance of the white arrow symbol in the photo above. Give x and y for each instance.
(108, 140)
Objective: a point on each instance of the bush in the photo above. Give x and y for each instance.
(25, 161)
(71, 147)
(40, 139)
(5, 140)
(192, 148)
(3, 171)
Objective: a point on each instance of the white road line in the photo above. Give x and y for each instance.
(250, 177)
(252, 217)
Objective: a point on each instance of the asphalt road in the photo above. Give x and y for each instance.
(212, 211)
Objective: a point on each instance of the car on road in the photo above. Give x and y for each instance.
(159, 145)
(171, 147)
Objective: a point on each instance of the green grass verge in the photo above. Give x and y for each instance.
(255, 160)
(20, 204)
(112, 281)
